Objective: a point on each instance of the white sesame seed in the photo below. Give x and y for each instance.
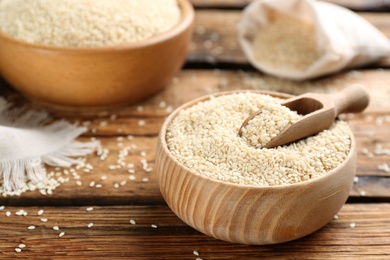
(355, 179)
(61, 234)
(196, 253)
(132, 177)
(145, 179)
(2, 207)
(352, 225)
(123, 183)
(98, 186)
(44, 219)
(56, 228)
(335, 217)
(213, 139)
(22, 246)
(143, 154)
(153, 226)
(89, 209)
(91, 184)
(40, 212)
(141, 122)
(90, 225)
(18, 250)
(163, 104)
(79, 183)
(31, 227)
(362, 193)
(103, 123)
(132, 221)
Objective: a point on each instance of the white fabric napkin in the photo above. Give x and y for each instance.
(27, 142)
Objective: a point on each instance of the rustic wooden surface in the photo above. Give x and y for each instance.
(214, 63)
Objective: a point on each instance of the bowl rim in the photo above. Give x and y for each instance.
(187, 18)
(164, 146)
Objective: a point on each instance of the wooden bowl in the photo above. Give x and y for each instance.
(99, 76)
(250, 214)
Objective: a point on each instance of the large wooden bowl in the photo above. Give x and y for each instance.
(96, 77)
(250, 214)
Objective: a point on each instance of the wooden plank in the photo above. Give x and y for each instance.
(357, 5)
(215, 37)
(112, 236)
(370, 128)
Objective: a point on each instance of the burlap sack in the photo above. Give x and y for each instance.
(342, 39)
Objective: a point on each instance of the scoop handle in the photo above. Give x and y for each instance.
(352, 99)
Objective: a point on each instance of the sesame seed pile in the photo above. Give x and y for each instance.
(87, 23)
(262, 128)
(205, 138)
(286, 43)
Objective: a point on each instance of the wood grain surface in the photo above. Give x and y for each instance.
(214, 63)
(360, 232)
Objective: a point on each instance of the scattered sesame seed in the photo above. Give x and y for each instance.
(196, 253)
(163, 104)
(103, 123)
(132, 221)
(145, 179)
(61, 234)
(132, 177)
(335, 217)
(98, 186)
(8, 213)
(355, 179)
(31, 227)
(22, 245)
(153, 226)
(89, 209)
(141, 122)
(116, 185)
(123, 183)
(90, 225)
(2, 207)
(91, 184)
(143, 153)
(79, 183)
(44, 219)
(56, 228)
(362, 193)
(18, 250)
(169, 109)
(352, 225)
(40, 212)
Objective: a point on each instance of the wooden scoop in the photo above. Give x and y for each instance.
(319, 112)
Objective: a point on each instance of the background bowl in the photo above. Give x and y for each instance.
(250, 214)
(100, 76)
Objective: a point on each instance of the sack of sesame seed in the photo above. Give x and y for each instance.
(304, 39)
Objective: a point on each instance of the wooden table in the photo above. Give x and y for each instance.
(214, 63)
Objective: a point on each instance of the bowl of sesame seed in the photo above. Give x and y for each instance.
(232, 188)
(92, 54)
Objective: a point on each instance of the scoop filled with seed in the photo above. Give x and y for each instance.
(279, 125)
